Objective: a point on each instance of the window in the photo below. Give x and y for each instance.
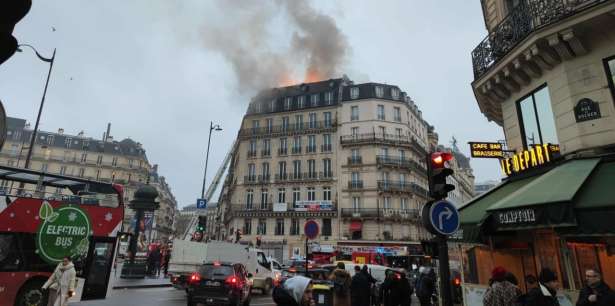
(281, 195)
(247, 227)
(279, 227)
(249, 199)
(285, 122)
(99, 160)
(296, 195)
(402, 179)
(326, 139)
(354, 92)
(264, 199)
(395, 93)
(379, 91)
(296, 169)
(404, 204)
(311, 194)
(609, 66)
(50, 139)
(356, 203)
(297, 145)
(282, 169)
(251, 171)
(255, 124)
(536, 118)
(269, 125)
(298, 122)
(326, 227)
(354, 113)
(402, 155)
(252, 150)
(262, 227)
(311, 168)
(114, 162)
(326, 165)
(294, 227)
(266, 147)
(81, 172)
(383, 130)
(287, 103)
(386, 203)
(265, 171)
(257, 106)
(283, 146)
(384, 151)
(380, 112)
(327, 122)
(272, 105)
(312, 119)
(329, 98)
(354, 131)
(67, 142)
(398, 133)
(326, 193)
(314, 100)
(301, 101)
(385, 177)
(397, 114)
(311, 144)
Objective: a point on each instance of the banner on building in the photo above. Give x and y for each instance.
(280, 207)
(313, 206)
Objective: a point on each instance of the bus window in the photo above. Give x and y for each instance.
(9, 254)
(32, 261)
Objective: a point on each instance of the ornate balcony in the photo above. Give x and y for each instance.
(304, 177)
(326, 148)
(291, 129)
(401, 187)
(355, 185)
(379, 138)
(527, 17)
(380, 214)
(257, 210)
(355, 160)
(389, 161)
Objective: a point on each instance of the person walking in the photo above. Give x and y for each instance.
(359, 288)
(386, 288)
(341, 284)
(596, 292)
(296, 291)
(501, 292)
(401, 292)
(62, 283)
(545, 294)
(372, 282)
(426, 286)
(167, 258)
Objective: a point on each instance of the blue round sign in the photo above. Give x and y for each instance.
(444, 217)
(311, 229)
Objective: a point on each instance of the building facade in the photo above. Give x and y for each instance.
(350, 156)
(106, 160)
(545, 74)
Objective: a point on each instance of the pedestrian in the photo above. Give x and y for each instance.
(426, 286)
(372, 281)
(359, 288)
(596, 292)
(402, 292)
(386, 287)
(341, 284)
(545, 293)
(61, 283)
(502, 291)
(296, 291)
(167, 258)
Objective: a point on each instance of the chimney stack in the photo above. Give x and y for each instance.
(61, 131)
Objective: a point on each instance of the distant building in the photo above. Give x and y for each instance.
(480, 188)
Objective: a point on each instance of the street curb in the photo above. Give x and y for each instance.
(143, 286)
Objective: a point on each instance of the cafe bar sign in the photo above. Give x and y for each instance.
(486, 150)
(536, 156)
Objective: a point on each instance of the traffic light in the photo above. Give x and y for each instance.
(10, 13)
(200, 227)
(438, 171)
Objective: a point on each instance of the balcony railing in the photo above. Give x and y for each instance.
(283, 151)
(310, 149)
(305, 176)
(355, 185)
(305, 128)
(251, 153)
(326, 147)
(355, 160)
(527, 17)
(380, 138)
(268, 209)
(382, 213)
(386, 160)
(266, 152)
(404, 187)
(296, 150)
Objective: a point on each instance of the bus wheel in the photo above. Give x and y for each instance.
(31, 294)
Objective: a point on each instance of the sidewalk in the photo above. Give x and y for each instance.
(127, 283)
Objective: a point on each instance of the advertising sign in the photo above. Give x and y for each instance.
(280, 207)
(486, 150)
(536, 156)
(63, 232)
(313, 206)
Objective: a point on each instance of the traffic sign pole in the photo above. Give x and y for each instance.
(445, 273)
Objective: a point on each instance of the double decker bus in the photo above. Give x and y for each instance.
(80, 219)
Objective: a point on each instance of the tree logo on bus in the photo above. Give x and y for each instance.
(63, 232)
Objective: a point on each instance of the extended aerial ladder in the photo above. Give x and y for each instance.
(211, 190)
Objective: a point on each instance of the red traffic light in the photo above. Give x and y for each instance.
(439, 158)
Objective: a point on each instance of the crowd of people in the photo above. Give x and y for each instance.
(504, 290)
(158, 261)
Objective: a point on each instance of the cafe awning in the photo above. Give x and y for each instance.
(576, 196)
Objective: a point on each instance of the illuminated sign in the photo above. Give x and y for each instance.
(486, 149)
(535, 156)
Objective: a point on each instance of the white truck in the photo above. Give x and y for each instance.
(187, 256)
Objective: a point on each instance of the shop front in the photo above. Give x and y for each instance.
(560, 217)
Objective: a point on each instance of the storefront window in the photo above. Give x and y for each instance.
(536, 118)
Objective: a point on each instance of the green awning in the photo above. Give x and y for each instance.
(545, 202)
(473, 213)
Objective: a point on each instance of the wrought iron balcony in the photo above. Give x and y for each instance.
(401, 187)
(249, 179)
(304, 128)
(296, 150)
(355, 184)
(355, 160)
(251, 153)
(305, 176)
(527, 17)
(380, 138)
(267, 210)
(326, 147)
(310, 149)
(283, 151)
(390, 161)
(380, 213)
(266, 152)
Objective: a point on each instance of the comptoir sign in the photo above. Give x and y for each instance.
(62, 233)
(517, 216)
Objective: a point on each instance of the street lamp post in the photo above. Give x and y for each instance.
(40, 109)
(212, 127)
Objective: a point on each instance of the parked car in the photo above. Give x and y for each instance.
(220, 283)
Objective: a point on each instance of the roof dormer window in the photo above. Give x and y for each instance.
(395, 93)
(272, 105)
(301, 101)
(354, 92)
(287, 102)
(314, 100)
(328, 98)
(379, 91)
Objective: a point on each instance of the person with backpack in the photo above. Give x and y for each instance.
(341, 285)
(426, 286)
(359, 288)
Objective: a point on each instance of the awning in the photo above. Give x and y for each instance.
(356, 226)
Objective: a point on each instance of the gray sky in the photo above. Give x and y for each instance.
(151, 69)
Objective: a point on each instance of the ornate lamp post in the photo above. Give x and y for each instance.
(144, 200)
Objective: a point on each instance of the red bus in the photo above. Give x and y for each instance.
(80, 219)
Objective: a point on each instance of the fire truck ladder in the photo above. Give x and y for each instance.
(210, 191)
